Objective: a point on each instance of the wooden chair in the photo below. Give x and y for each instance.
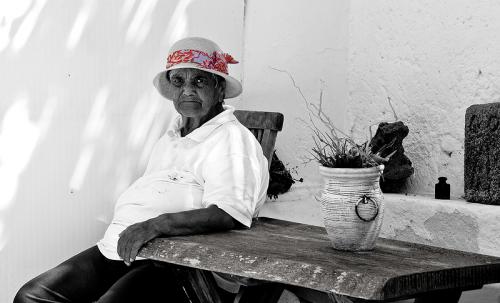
(264, 126)
(200, 285)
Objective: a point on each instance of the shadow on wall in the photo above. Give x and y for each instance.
(78, 119)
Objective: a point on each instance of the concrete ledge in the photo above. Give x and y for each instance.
(455, 224)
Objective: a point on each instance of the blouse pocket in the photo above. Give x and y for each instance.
(178, 195)
(160, 187)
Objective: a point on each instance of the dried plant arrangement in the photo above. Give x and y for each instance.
(334, 148)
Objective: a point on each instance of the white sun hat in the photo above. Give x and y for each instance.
(202, 54)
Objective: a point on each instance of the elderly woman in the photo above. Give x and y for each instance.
(206, 174)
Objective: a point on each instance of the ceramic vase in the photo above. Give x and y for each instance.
(352, 206)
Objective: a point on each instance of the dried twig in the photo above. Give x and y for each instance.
(392, 107)
(332, 147)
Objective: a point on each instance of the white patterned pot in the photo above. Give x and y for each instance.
(352, 206)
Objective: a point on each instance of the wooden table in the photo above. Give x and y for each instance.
(300, 255)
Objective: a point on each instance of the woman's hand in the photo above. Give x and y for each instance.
(134, 237)
(196, 221)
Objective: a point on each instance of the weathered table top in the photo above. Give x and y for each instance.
(301, 255)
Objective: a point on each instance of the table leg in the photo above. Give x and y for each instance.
(200, 285)
(343, 299)
(442, 296)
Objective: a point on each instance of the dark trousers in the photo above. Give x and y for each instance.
(91, 277)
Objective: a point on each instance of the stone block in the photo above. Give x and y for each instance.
(482, 154)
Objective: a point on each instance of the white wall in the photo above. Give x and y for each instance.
(433, 59)
(309, 41)
(78, 114)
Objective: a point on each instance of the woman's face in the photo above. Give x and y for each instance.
(196, 93)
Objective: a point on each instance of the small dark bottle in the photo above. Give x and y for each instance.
(442, 189)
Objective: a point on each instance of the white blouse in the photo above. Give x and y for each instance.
(219, 163)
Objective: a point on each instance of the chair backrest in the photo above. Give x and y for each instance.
(265, 127)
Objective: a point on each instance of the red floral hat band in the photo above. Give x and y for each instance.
(216, 61)
(198, 53)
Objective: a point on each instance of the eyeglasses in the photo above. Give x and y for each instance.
(198, 81)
